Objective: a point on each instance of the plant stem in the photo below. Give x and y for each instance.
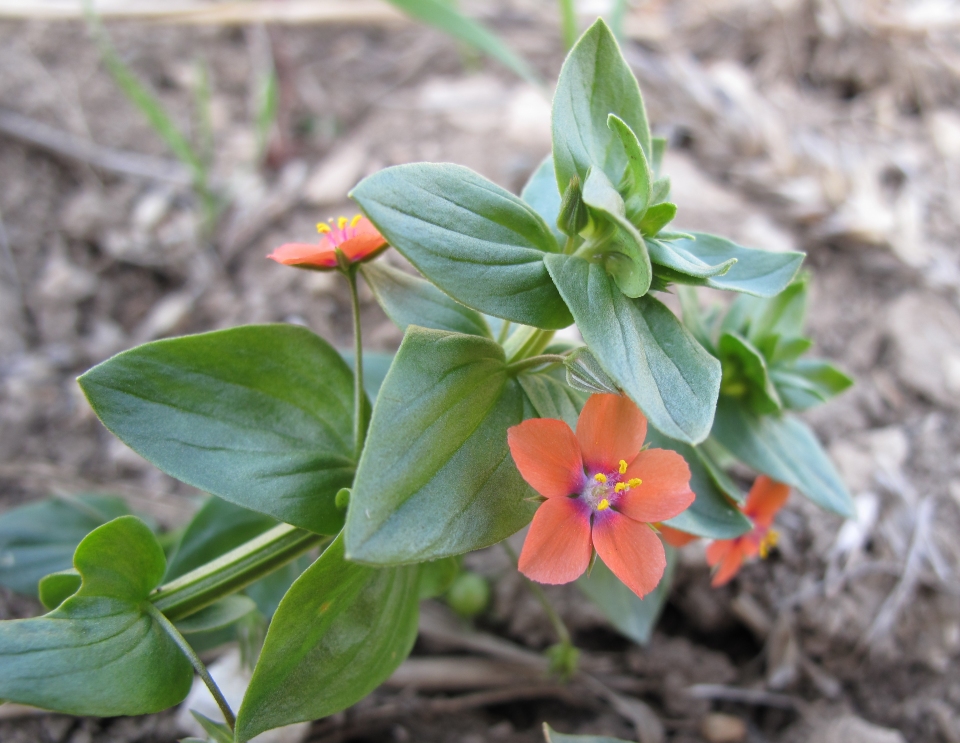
(195, 661)
(504, 332)
(563, 634)
(233, 571)
(526, 341)
(533, 361)
(359, 397)
(568, 21)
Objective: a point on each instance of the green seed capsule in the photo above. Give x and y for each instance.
(469, 594)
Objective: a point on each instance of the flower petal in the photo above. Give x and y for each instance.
(305, 254)
(557, 548)
(548, 456)
(729, 567)
(766, 497)
(717, 550)
(664, 490)
(675, 537)
(631, 550)
(366, 241)
(610, 428)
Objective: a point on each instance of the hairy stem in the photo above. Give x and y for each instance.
(359, 399)
(526, 341)
(563, 634)
(568, 21)
(195, 661)
(233, 571)
(534, 361)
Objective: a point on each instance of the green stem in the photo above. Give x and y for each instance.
(195, 661)
(233, 571)
(359, 398)
(533, 361)
(504, 332)
(563, 634)
(526, 341)
(568, 20)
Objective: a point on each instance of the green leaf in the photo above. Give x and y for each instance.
(809, 382)
(789, 350)
(745, 375)
(761, 273)
(711, 515)
(409, 300)
(442, 16)
(100, 652)
(658, 150)
(784, 448)
(656, 218)
(216, 616)
(541, 193)
(340, 632)
(479, 243)
(551, 398)
(56, 588)
(595, 81)
(584, 373)
(436, 477)
(40, 538)
(376, 364)
(782, 316)
(692, 317)
(642, 346)
(259, 415)
(219, 732)
(616, 243)
(552, 736)
(632, 616)
(437, 576)
(639, 178)
(671, 254)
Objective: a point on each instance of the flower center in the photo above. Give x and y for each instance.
(343, 231)
(768, 542)
(604, 489)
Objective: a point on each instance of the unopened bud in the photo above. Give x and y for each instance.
(573, 215)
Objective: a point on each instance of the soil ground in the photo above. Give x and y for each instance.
(827, 126)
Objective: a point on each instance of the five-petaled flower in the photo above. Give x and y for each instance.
(766, 497)
(602, 490)
(355, 240)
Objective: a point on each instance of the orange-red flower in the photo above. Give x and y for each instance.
(602, 492)
(675, 537)
(356, 239)
(766, 497)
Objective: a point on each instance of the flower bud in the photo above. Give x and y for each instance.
(469, 594)
(573, 215)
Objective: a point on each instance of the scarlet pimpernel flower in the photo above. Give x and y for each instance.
(355, 240)
(766, 497)
(603, 491)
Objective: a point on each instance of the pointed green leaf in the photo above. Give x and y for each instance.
(541, 193)
(595, 81)
(436, 477)
(809, 382)
(616, 242)
(656, 218)
(259, 415)
(782, 315)
(671, 254)
(409, 300)
(638, 176)
(446, 18)
(658, 150)
(216, 616)
(642, 346)
(584, 373)
(784, 448)
(632, 616)
(218, 731)
(479, 243)
(745, 375)
(340, 632)
(761, 273)
(99, 653)
(40, 538)
(711, 515)
(660, 191)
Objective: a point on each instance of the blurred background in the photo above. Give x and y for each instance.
(150, 159)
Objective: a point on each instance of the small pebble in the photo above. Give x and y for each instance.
(720, 728)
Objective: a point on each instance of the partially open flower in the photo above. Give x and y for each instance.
(355, 240)
(602, 492)
(766, 497)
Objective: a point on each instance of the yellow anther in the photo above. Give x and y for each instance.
(603, 505)
(634, 482)
(341, 223)
(620, 487)
(323, 228)
(600, 477)
(769, 541)
(623, 466)
(355, 221)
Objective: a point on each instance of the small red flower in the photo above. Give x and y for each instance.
(766, 497)
(356, 239)
(602, 492)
